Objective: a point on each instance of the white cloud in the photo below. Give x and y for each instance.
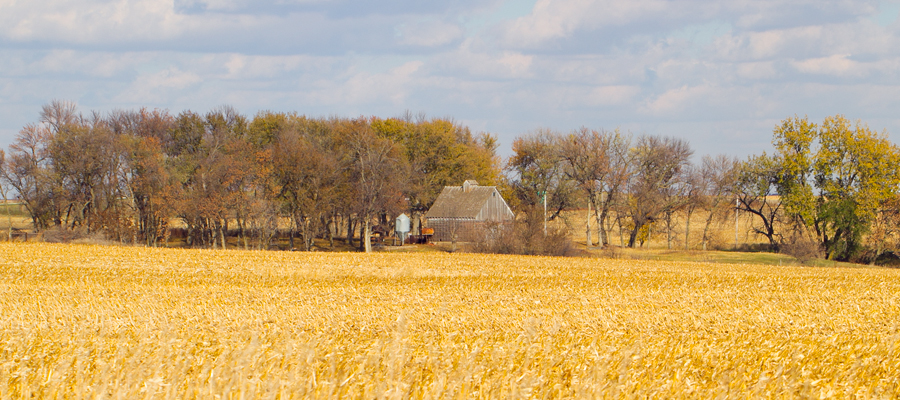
(676, 100)
(243, 67)
(763, 70)
(556, 19)
(429, 33)
(365, 87)
(690, 67)
(480, 65)
(837, 64)
(613, 95)
(158, 87)
(90, 21)
(170, 78)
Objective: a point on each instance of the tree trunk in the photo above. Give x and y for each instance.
(687, 228)
(587, 224)
(633, 237)
(363, 232)
(621, 230)
(706, 229)
(332, 227)
(601, 231)
(292, 233)
(223, 228)
(188, 237)
(349, 231)
(367, 238)
(307, 236)
(668, 230)
(241, 234)
(211, 234)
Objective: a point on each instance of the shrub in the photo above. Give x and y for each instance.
(802, 248)
(77, 235)
(526, 236)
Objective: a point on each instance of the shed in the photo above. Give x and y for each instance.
(464, 211)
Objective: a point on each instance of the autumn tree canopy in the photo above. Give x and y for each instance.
(130, 173)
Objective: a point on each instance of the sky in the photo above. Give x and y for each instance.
(720, 74)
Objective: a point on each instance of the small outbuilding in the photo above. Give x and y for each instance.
(465, 211)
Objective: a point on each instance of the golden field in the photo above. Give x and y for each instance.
(81, 321)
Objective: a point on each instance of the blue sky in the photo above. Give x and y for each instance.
(720, 74)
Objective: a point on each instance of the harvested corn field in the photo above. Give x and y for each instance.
(79, 321)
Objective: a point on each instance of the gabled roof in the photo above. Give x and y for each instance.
(457, 202)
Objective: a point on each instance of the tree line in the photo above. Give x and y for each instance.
(829, 186)
(128, 173)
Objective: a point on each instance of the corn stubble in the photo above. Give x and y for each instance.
(138, 323)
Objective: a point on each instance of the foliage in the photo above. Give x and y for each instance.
(834, 178)
(537, 173)
(129, 173)
(793, 141)
(439, 153)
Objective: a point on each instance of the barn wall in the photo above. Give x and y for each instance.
(444, 229)
(495, 209)
(467, 230)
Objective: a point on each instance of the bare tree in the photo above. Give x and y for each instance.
(614, 181)
(718, 177)
(376, 170)
(586, 163)
(58, 114)
(596, 161)
(657, 166)
(85, 161)
(756, 192)
(692, 195)
(27, 171)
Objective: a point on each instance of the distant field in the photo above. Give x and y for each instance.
(79, 321)
(721, 231)
(13, 213)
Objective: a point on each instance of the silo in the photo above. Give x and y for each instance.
(402, 227)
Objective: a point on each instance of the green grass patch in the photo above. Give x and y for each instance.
(718, 257)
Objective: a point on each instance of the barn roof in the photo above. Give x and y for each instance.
(460, 201)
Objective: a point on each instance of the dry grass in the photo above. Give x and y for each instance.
(79, 321)
(721, 232)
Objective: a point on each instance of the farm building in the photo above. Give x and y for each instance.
(464, 211)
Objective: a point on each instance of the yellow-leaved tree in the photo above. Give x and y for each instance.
(833, 179)
(856, 172)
